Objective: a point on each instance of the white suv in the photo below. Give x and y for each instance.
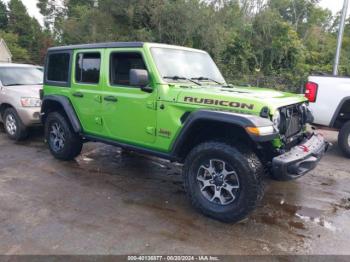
(19, 98)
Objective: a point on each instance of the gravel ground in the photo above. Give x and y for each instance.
(108, 202)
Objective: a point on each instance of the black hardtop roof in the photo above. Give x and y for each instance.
(97, 45)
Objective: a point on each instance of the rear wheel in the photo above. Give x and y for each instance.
(223, 182)
(344, 139)
(13, 125)
(64, 143)
(2, 128)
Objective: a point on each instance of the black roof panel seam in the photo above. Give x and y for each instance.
(98, 45)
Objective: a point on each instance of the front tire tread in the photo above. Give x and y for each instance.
(254, 176)
(73, 144)
(343, 139)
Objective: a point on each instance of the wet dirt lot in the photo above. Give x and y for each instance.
(108, 202)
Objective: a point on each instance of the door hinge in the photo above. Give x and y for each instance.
(151, 105)
(98, 120)
(151, 130)
(98, 98)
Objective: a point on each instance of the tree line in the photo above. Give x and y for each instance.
(274, 43)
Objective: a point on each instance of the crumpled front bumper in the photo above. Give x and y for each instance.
(300, 159)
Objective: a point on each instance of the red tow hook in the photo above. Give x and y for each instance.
(304, 148)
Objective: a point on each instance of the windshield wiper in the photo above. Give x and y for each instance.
(213, 80)
(201, 78)
(181, 78)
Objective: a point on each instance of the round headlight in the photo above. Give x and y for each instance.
(276, 120)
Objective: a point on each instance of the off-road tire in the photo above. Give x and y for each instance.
(250, 173)
(2, 128)
(72, 141)
(20, 131)
(344, 139)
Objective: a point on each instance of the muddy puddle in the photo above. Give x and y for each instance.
(283, 206)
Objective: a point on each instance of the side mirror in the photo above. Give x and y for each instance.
(140, 77)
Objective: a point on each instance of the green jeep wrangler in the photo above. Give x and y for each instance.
(172, 102)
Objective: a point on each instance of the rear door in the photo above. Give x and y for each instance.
(86, 91)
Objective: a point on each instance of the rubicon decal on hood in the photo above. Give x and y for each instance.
(207, 101)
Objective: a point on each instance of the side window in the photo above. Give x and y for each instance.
(120, 66)
(58, 67)
(87, 68)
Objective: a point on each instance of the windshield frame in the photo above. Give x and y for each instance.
(13, 68)
(184, 81)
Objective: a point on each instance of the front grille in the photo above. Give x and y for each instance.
(293, 125)
(292, 120)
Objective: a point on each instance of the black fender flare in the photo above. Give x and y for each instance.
(65, 103)
(239, 120)
(337, 111)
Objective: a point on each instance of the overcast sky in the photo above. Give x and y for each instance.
(32, 9)
(333, 5)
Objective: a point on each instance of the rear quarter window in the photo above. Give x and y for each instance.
(58, 68)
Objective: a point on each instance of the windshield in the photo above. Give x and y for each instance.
(177, 64)
(13, 76)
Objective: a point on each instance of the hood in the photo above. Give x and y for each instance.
(240, 99)
(26, 90)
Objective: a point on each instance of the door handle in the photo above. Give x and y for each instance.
(111, 99)
(78, 94)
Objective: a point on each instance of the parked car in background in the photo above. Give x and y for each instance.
(19, 98)
(330, 103)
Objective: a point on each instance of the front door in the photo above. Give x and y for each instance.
(128, 112)
(86, 91)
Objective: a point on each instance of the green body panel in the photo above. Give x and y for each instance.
(153, 120)
(134, 116)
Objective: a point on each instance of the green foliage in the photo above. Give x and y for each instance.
(345, 59)
(19, 54)
(26, 39)
(273, 43)
(19, 22)
(3, 16)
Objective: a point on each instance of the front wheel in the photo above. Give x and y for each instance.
(223, 182)
(64, 143)
(13, 125)
(344, 139)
